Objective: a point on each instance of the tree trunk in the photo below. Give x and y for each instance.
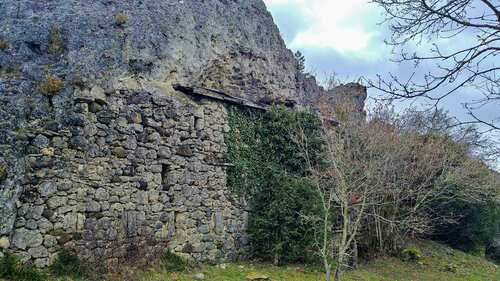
(328, 273)
(338, 273)
(354, 254)
(338, 270)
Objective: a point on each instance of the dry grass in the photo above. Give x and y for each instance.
(3, 45)
(52, 86)
(121, 18)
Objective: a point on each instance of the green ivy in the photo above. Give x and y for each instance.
(270, 171)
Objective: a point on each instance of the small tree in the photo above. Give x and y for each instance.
(301, 62)
(343, 191)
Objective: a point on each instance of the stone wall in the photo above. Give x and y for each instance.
(126, 176)
(113, 162)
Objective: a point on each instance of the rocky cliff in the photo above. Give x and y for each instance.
(99, 151)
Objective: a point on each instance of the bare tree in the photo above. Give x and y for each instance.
(470, 66)
(343, 192)
(378, 180)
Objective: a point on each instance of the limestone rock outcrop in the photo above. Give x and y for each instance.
(98, 151)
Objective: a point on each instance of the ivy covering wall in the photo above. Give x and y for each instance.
(270, 172)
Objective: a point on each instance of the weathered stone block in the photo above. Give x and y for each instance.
(47, 188)
(24, 238)
(56, 201)
(93, 206)
(38, 252)
(120, 152)
(101, 194)
(4, 243)
(184, 150)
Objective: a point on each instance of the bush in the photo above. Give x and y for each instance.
(412, 254)
(51, 86)
(477, 225)
(269, 171)
(430, 183)
(67, 263)
(278, 225)
(56, 45)
(3, 45)
(12, 269)
(121, 18)
(472, 223)
(173, 263)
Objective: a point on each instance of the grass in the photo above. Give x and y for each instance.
(67, 264)
(438, 263)
(12, 269)
(173, 263)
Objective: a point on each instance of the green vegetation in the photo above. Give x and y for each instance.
(301, 61)
(173, 263)
(269, 171)
(67, 263)
(418, 182)
(412, 254)
(56, 45)
(12, 269)
(441, 263)
(66, 266)
(478, 223)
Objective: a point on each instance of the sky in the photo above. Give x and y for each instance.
(334, 35)
(346, 37)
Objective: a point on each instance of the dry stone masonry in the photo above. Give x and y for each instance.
(134, 173)
(100, 154)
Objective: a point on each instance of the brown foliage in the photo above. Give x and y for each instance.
(380, 181)
(52, 86)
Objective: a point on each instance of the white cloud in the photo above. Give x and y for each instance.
(335, 24)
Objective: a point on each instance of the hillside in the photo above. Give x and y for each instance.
(440, 263)
(137, 131)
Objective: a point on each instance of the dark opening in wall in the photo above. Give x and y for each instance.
(198, 125)
(51, 102)
(165, 171)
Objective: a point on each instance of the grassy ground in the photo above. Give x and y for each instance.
(440, 263)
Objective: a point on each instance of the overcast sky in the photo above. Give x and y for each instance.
(346, 37)
(334, 35)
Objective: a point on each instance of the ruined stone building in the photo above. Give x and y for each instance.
(113, 116)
